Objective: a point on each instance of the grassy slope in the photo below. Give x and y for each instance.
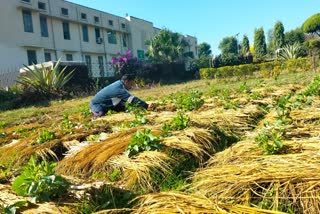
(52, 114)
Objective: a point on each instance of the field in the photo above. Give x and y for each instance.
(236, 145)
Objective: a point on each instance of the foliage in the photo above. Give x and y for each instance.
(290, 51)
(245, 45)
(180, 122)
(142, 141)
(139, 114)
(12, 208)
(294, 36)
(229, 45)
(270, 141)
(204, 62)
(38, 180)
(188, 101)
(204, 50)
(45, 136)
(46, 81)
(313, 89)
(312, 24)
(166, 47)
(126, 64)
(294, 65)
(67, 124)
(278, 35)
(107, 197)
(260, 47)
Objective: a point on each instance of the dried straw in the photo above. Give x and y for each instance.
(137, 171)
(94, 157)
(179, 202)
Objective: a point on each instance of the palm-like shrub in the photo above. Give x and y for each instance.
(290, 51)
(47, 81)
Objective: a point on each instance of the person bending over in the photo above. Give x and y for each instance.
(114, 97)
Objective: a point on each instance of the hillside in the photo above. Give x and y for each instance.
(211, 146)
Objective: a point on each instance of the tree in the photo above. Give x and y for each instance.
(229, 51)
(229, 45)
(294, 36)
(278, 35)
(204, 49)
(260, 47)
(312, 25)
(245, 45)
(166, 47)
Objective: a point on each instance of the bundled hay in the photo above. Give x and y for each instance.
(93, 158)
(178, 202)
(196, 141)
(275, 180)
(249, 150)
(231, 122)
(137, 171)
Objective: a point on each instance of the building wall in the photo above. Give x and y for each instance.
(14, 42)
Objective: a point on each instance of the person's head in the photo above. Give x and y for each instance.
(128, 81)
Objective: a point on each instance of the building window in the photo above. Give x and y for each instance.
(44, 26)
(96, 19)
(112, 38)
(69, 57)
(84, 16)
(89, 65)
(98, 36)
(101, 67)
(42, 5)
(28, 1)
(123, 25)
(27, 21)
(66, 30)
(110, 22)
(124, 40)
(32, 57)
(47, 56)
(64, 11)
(85, 33)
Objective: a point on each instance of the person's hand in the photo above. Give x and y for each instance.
(152, 106)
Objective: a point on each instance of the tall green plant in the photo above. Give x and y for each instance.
(47, 81)
(260, 46)
(290, 51)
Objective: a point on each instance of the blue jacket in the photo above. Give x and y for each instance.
(113, 95)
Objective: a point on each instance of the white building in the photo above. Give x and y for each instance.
(36, 31)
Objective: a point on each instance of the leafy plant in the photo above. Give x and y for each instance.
(67, 124)
(142, 141)
(106, 197)
(38, 181)
(12, 208)
(180, 122)
(47, 81)
(139, 114)
(189, 101)
(290, 51)
(166, 130)
(270, 140)
(45, 136)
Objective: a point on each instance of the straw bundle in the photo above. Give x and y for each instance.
(272, 178)
(196, 141)
(232, 122)
(179, 202)
(93, 158)
(137, 171)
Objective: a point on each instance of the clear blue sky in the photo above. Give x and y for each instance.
(212, 20)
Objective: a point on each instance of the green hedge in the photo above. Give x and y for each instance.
(270, 68)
